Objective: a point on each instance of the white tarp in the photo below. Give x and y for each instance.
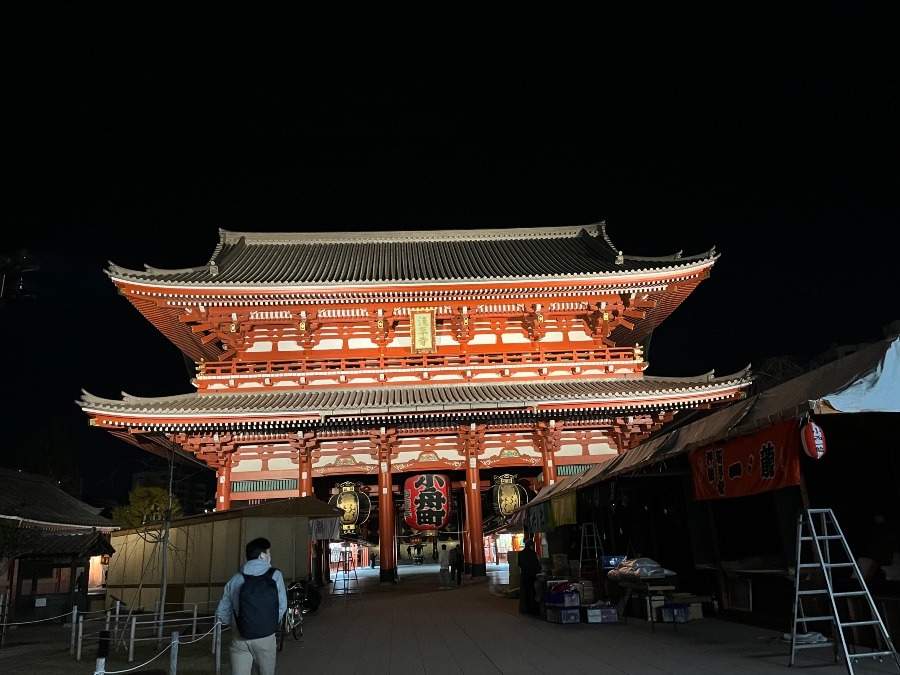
(875, 391)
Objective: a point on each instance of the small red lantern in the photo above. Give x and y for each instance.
(426, 501)
(813, 439)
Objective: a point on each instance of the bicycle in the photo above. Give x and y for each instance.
(292, 621)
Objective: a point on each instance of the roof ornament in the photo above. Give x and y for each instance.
(620, 258)
(213, 268)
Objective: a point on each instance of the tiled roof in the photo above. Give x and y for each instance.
(253, 258)
(38, 501)
(74, 544)
(624, 394)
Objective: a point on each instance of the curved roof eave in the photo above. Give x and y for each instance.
(518, 255)
(532, 396)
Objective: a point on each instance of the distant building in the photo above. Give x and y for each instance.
(192, 489)
(55, 548)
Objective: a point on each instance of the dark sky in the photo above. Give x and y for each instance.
(133, 137)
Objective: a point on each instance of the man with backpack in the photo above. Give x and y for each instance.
(253, 602)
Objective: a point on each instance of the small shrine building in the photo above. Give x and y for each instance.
(368, 357)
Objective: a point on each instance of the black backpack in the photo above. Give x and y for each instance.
(257, 613)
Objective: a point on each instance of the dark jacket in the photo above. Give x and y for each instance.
(529, 562)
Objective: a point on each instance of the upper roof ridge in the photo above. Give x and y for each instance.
(376, 236)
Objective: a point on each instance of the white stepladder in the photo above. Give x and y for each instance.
(821, 549)
(590, 562)
(346, 582)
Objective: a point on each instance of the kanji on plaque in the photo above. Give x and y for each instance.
(426, 501)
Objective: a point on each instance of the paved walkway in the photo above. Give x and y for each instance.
(413, 626)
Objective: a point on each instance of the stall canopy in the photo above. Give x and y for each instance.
(868, 380)
(553, 505)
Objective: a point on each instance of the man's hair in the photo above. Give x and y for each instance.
(529, 544)
(443, 545)
(257, 546)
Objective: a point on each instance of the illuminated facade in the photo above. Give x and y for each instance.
(330, 357)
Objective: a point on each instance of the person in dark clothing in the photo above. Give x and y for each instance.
(81, 589)
(530, 567)
(456, 565)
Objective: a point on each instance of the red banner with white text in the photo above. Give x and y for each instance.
(766, 460)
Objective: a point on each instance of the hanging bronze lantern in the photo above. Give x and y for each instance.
(426, 501)
(507, 495)
(355, 505)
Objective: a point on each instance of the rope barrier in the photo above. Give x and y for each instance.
(173, 645)
(177, 618)
(25, 623)
(103, 671)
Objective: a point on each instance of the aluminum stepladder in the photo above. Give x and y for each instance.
(346, 582)
(822, 548)
(590, 561)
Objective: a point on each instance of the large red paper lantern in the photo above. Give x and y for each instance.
(426, 501)
(813, 439)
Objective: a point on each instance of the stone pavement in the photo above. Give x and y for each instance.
(414, 626)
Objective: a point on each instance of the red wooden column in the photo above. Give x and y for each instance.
(306, 448)
(546, 438)
(387, 558)
(470, 440)
(223, 484)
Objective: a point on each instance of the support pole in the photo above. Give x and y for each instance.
(173, 654)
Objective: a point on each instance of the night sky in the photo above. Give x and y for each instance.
(132, 138)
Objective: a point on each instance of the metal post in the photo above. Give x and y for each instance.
(103, 644)
(194, 623)
(4, 613)
(165, 556)
(74, 629)
(131, 641)
(80, 636)
(217, 647)
(116, 626)
(173, 654)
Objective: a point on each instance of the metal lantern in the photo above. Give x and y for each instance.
(355, 505)
(426, 501)
(507, 495)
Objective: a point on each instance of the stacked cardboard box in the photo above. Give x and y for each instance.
(599, 614)
(562, 606)
(676, 611)
(562, 599)
(567, 615)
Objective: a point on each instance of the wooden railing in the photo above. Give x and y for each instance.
(332, 364)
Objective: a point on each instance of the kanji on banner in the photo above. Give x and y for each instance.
(766, 460)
